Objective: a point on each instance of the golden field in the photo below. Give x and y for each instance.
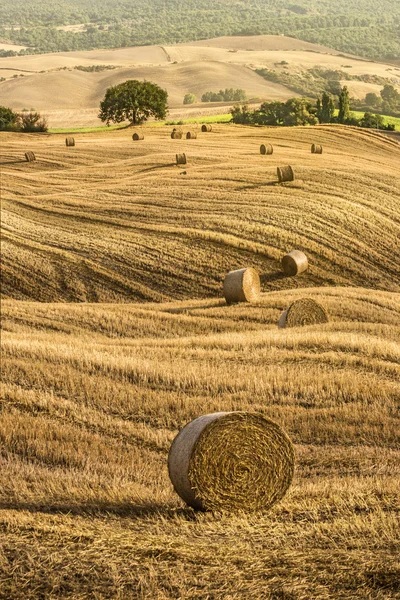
(115, 334)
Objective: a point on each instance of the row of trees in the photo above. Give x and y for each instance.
(302, 111)
(227, 95)
(26, 122)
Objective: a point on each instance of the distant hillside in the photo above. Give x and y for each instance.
(51, 26)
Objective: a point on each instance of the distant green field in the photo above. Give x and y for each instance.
(224, 118)
(387, 119)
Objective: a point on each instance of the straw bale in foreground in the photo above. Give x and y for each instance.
(304, 311)
(294, 263)
(231, 461)
(285, 174)
(181, 159)
(266, 149)
(138, 135)
(29, 156)
(242, 285)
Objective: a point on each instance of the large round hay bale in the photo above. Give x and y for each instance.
(70, 141)
(242, 285)
(266, 149)
(304, 311)
(176, 135)
(231, 461)
(294, 263)
(285, 174)
(316, 149)
(138, 135)
(191, 135)
(206, 127)
(181, 159)
(29, 156)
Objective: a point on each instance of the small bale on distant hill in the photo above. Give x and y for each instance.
(285, 174)
(242, 285)
(29, 156)
(191, 135)
(266, 149)
(206, 127)
(304, 311)
(138, 135)
(70, 141)
(176, 135)
(231, 461)
(181, 159)
(294, 263)
(316, 149)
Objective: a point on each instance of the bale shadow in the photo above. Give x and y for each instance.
(12, 162)
(268, 277)
(124, 509)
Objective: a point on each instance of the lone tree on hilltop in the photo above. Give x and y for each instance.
(133, 101)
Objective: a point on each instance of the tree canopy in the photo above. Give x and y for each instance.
(356, 27)
(134, 101)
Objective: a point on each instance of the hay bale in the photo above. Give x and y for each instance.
(70, 141)
(266, 149)
(138, 135)
(206, 127)
(191, 135)
(242, 285)
(316, 149)
(305, 311)
(176, 135)
(285, 174)
(181, 159)
(29, 156)
(294, 263)
(231, 461)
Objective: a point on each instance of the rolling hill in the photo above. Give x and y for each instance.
(115, 334)
(111, 220)
(93, 395)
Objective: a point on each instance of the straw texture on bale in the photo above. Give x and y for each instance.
(285, 174)
(304, 311)
(294, 263)
(266, 149)
(176, 135)
(29, 156)
(191, 135)
(316, 149)
(70, 141)
(206, 127)
(231, 461)
(181, 159)
(242, 285)
(138, 135)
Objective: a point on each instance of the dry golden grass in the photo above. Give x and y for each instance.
(93, 396)
(110, 220)
(94, 393)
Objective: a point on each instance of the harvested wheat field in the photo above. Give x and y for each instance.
(94, 395)
(116, 333)
(110, 220)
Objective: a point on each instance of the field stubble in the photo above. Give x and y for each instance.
(93, 394)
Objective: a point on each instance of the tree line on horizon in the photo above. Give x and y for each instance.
(303, 111)
(356, 29)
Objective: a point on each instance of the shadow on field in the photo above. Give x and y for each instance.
(12, 162)
(127, 509)
(268, 277)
